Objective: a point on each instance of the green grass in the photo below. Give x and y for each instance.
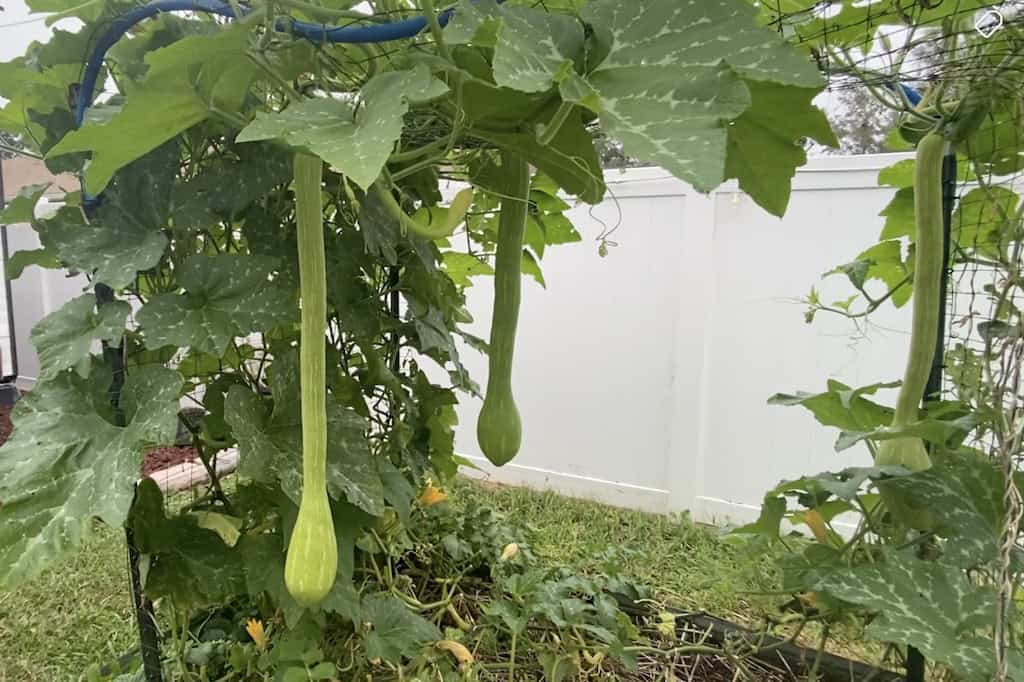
(76, 613)
(79, 612)
(686, 564)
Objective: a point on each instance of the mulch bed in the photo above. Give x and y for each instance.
(157, 459)
(161, 458)
(5, 423)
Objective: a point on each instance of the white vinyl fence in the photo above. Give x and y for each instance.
(35, 295)
(642, 377)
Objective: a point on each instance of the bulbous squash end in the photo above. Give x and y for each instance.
(499, 430)
(311, 566)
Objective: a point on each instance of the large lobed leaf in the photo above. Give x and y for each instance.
(926, 604)
(65, 338)
(698, 88)
(225, 296)
(190, 565)
(963, 492)
(355, 140)
(126, 234)
(185, 82)
(67, 463)
(395, 631)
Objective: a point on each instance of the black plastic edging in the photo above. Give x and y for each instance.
(778, 652)
(774, 651)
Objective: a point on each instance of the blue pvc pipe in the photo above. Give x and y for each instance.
(317, 33)
(912, 95)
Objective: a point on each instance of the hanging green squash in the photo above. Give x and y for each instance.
(499, 430)
(312, 562)
(910, 452)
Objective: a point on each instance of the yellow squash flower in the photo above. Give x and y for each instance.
(431, 496)
(259, 635)
(459, 651)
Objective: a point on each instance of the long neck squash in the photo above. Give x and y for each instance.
(910, 452)
(499, 429)
(312, 561)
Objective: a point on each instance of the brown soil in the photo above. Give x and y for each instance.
(5, 423)
(156, 459)
(160, 458)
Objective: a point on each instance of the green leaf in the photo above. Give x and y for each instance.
(37, 102)
(202, 201)
(840, 406)
(883, 262)
(979, 222)
(44, 258)
(773, 509)
(899, 174)
(395, 631)
(557, 229)
(227, 527)
(379, 229)
(355, 140)
(65, 337)
(673, 80)
(558, 667)
(127, 57)
(263, 558)
(185, 81)
(999, 143)
(766, 142)
(899, 216)
(189, 565)
(270, 440)
(225, 296)
(850, 23)
(68, 463)
(570, 159)
(352, 268)
(926, 604)
(532, 48)
(963, 493)
(461, 266)
(21, 209)
(126, 235)
(528, 265)
(947, 429)
(846, 484)
(433, 332)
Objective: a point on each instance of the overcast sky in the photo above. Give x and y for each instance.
(17, 30)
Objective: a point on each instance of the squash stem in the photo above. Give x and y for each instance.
(313, 290)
